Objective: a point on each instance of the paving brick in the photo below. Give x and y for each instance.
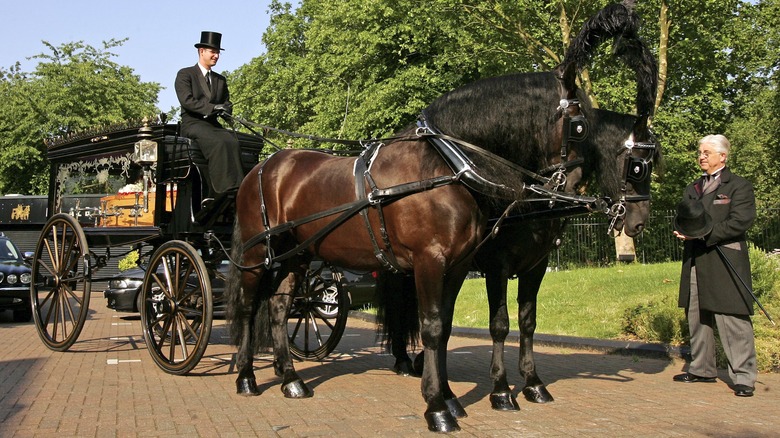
(108, 385)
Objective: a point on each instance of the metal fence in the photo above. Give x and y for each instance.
(585, 241)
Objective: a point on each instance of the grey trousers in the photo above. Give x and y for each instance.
(736, 336)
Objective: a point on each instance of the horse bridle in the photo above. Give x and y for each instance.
(575, 129)
(636, 170)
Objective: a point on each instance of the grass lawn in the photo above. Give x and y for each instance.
(587, 302)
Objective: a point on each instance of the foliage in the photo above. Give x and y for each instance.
(346, 70)
(656, 321)
(130, 261)
(73, 87)
(765, 273)
(722, 59)
(360, 70)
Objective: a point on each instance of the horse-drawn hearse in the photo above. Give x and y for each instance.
(481, 160)
(139, 187)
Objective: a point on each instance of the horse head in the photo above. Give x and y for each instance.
(621, 151)
(641, 150)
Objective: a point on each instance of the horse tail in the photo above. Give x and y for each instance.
(233, 290)
(621, 23)
(242, 309)
(396, 301)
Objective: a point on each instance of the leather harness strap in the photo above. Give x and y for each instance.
(362, 174)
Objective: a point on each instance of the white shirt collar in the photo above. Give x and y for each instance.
(203, 70)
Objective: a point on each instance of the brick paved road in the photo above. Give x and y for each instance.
(107, 386)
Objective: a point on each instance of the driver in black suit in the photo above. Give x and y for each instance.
(203, 95)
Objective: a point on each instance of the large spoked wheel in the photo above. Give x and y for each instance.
(318, 315)
(176, 307)
(61, 282)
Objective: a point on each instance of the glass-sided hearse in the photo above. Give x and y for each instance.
(141, 186)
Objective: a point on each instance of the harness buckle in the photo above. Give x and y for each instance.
(558, 179)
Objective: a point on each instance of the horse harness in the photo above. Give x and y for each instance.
(575, 129)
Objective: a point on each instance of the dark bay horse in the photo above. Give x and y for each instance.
(522, 248)
(433, 232)
(619, 152)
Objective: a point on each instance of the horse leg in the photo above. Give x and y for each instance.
(534, 390)
(501, 398)
(279, 308)
(435, 325)
(248, 312)
(452, 284)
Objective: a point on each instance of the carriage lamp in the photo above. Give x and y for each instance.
(145, 154)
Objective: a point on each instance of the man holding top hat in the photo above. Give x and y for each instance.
(712, 219)
(203, 95)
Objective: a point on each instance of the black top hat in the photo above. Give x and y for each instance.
(691, 219)
(211, 40)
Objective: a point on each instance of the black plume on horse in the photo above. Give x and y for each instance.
(619, 22)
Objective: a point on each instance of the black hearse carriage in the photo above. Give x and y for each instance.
(140, 187)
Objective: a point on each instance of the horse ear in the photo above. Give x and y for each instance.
(641, 124)
(567, 74)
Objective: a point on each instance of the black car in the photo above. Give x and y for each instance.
(123, 289)
(14, 281)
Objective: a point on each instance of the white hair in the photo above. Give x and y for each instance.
(719, 142)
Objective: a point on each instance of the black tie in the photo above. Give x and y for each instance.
(208, 79)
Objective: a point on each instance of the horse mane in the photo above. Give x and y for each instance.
(619, 22)
(511, 116)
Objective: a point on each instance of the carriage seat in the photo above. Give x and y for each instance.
(183, 156)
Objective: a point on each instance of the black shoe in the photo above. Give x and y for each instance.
(692, 378)
(743, 391)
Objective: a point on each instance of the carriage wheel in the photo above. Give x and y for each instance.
(318, 316)
(176, 307)
(61, 283)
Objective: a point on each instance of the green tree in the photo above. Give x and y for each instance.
(73, 87)
(359, 70)
(722, 57)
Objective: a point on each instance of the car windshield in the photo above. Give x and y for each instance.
(8, 251)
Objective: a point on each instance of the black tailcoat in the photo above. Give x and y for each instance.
(199, 123)
(732, 207)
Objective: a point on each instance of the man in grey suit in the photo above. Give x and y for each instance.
(715, 213)
(203, 95)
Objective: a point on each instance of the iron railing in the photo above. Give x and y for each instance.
(585, 241)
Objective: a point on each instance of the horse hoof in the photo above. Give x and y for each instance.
(455, 408)
(296, 389)
(537, 394)
(247, 386)
(441, 421)
(405, 368)
(504, 401)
